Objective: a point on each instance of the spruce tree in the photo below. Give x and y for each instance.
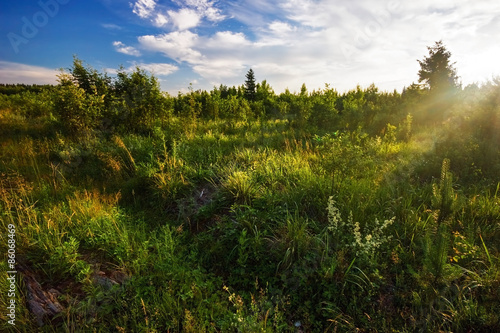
(440, 77)
(437, 71)
(250, 85)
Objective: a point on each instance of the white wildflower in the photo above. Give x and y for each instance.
(364, 242)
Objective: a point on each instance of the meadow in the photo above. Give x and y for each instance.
(313, 211)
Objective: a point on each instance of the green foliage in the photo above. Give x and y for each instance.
(30, 104)
(260, 314)
(87, 100)
(170, 182)
(65, 260)
(138, 100)
(324, 114)
(295, 241)
(77, 110)
(20, 88)
(89, 79)
(406, 128)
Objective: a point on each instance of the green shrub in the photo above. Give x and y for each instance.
(78, 111)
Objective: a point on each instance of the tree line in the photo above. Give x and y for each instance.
(86, 99)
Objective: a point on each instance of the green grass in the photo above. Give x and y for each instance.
(251, 226)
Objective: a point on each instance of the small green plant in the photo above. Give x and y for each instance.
(437, 240)
(79, 111)
(64, 261)
(444, 200)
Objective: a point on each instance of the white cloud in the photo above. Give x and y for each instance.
(206, 8)
(323, 14)
(202, 54)
(143, 8)
(185, 18)
(158, 69)
(344, 43)
(281, 27)
(11, 73)
(160, 20)
(189, 15)
(178, 45)
(219, 69)
(129, 50)
(213, 14)
(252, 13)
(227, 40)
(111, 26)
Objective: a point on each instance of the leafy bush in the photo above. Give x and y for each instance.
(78, 111)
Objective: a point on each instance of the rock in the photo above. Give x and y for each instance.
(42, 304)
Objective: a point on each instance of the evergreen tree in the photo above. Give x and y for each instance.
(250, 85)
(439, 76)
(436, 70)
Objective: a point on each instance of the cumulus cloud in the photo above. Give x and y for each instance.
(159, 69)
(185, 18)
(227, 40)
(177, 45)
(219, 69)
(160, 20)
(281, 27)
(129, 50)
(213, 14)
(202, 53)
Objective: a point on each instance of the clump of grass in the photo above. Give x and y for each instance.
(240, 186)
(130, 162)
(172, 178)
(296, 241)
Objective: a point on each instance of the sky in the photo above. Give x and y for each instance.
(205, 43)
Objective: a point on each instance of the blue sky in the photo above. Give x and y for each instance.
(287, 42)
